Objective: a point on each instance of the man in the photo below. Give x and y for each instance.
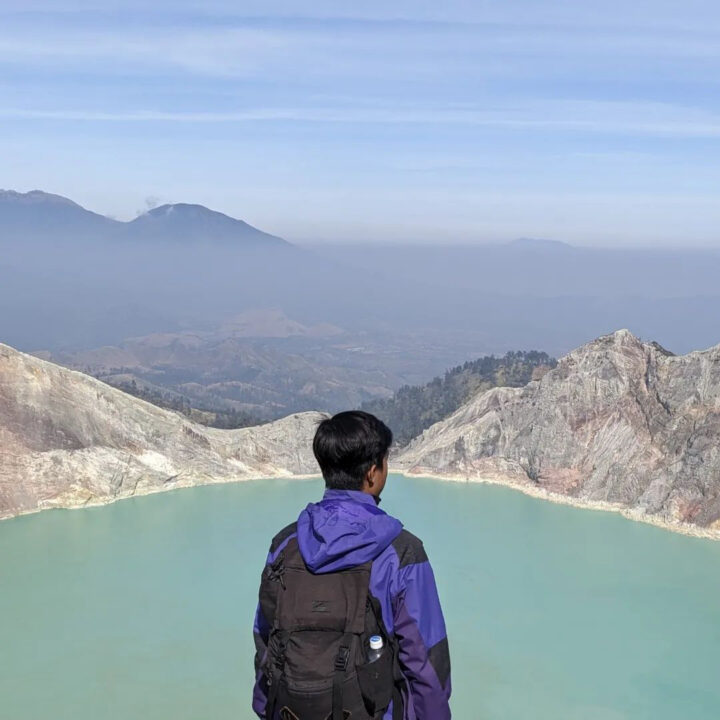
(344, 570)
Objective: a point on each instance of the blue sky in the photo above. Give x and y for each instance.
(590, 122)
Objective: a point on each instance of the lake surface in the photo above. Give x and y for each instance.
(143, 609)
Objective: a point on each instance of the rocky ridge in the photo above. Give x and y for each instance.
(618, 424)
(69, 440)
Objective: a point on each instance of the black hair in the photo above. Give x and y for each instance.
(347, 445)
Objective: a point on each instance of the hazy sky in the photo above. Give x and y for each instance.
(593, 121)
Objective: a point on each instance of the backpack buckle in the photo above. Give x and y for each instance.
(341, 661)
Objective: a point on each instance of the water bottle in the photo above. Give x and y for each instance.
(376, 649)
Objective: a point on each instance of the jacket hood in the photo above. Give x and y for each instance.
(346, 528)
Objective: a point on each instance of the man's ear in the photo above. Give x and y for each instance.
(370, 476)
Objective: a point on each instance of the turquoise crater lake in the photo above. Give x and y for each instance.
(143, 609)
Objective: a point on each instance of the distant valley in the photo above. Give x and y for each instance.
(259, 366)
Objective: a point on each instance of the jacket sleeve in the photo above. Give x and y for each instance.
(423, 647)
(264, 617)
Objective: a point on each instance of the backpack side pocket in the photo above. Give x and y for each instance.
(376, 683)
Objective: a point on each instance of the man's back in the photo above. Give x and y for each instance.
(352, 571)
(347, 529)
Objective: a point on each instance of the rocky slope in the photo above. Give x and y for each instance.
(68, 440)
(618, 422)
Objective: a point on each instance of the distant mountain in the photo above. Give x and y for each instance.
(539, 244)
(69, 440)
(619, 422)
(195, 223)
(37, 215)
(272, 323)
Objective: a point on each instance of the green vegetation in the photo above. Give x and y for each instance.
(412, 409)
(226, 419)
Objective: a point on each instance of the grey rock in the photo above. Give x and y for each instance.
(618, 421)
(68, 440)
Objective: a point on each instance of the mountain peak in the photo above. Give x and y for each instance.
(35, 197)
(186, 209)
(193, 223)
(37, 215)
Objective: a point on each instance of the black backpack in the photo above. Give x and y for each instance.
(316, 663)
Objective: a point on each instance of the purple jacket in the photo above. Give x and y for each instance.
(347, 528)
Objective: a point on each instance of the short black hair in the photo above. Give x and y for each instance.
(347, 445)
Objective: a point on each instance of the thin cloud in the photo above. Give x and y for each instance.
(653, 119)
(355, 49)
